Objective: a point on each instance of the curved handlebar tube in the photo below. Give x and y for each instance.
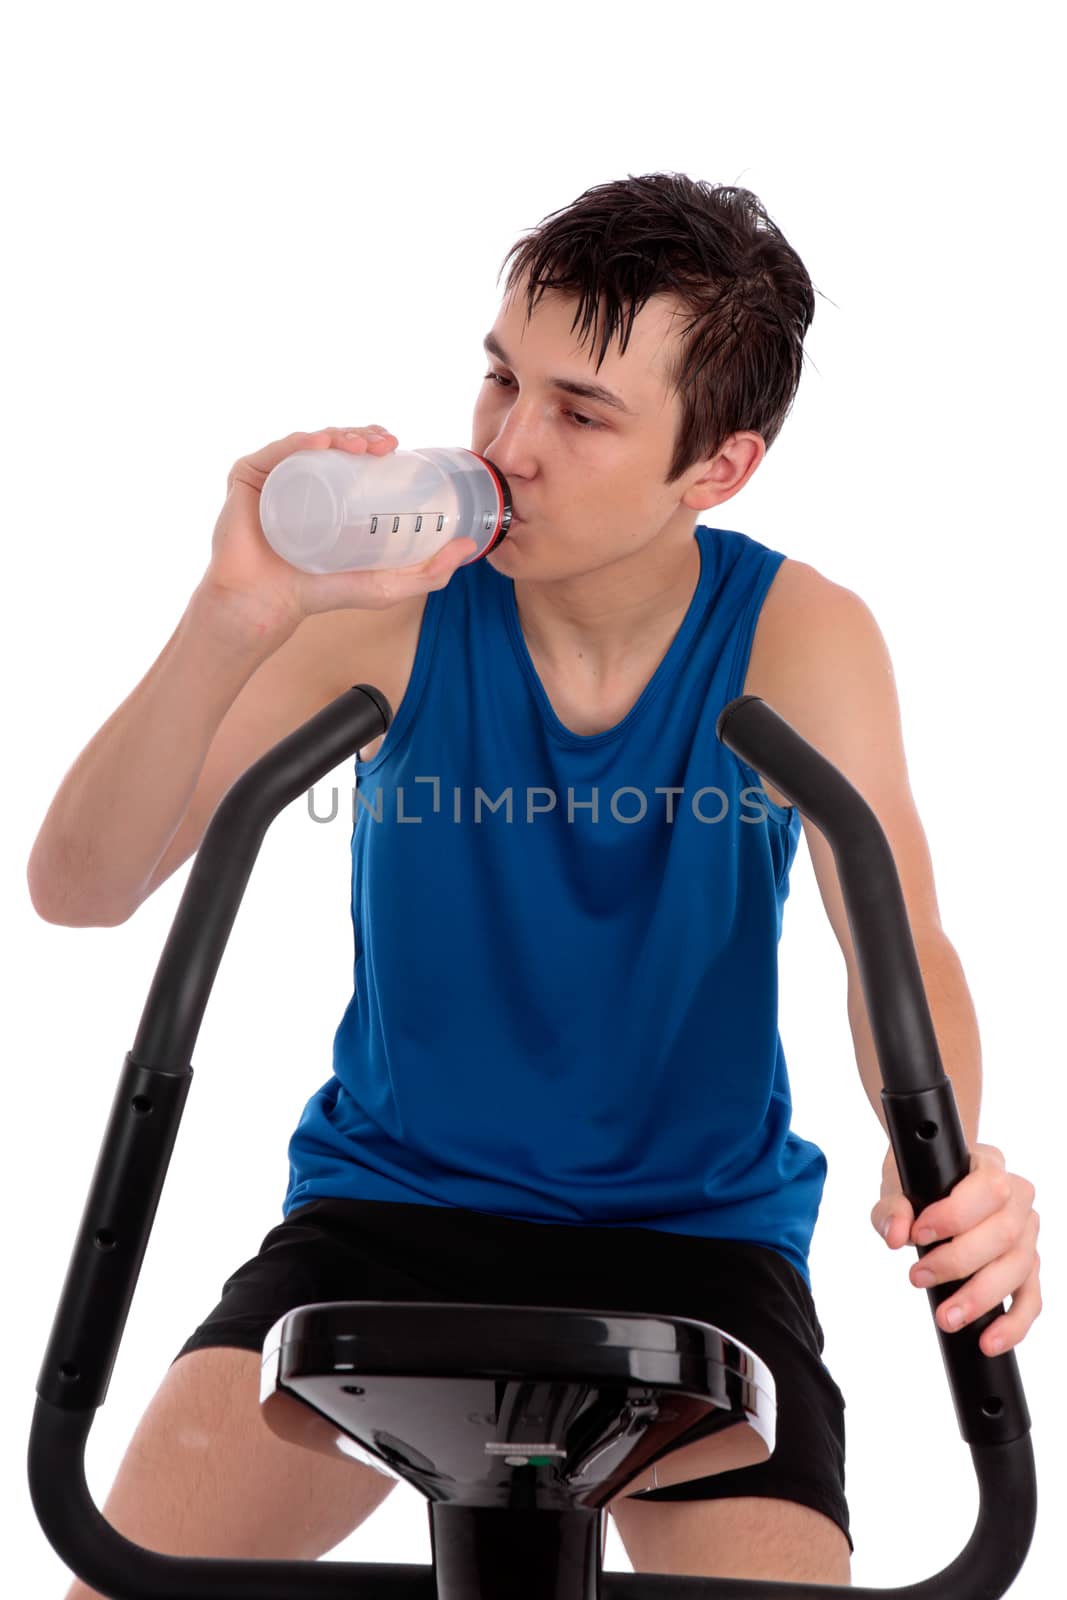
(113, 1234)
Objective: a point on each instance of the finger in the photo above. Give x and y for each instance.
(363, 439)
(893, 1219)
(1005, 1332)
(969, 1252)
(984, 1158)
(987, 1291)
(450, 556)
(254, 468)
(262, 462)
(976, 1197)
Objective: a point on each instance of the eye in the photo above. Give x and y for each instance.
(583, 424)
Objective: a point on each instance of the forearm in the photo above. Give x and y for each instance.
(955, 1028)
(123, 799)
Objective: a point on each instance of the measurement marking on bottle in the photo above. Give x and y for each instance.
(514, 1447)
(442, 518)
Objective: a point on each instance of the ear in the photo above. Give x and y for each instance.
(727, 471)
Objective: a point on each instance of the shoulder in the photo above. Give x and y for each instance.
(799, 608)
(825, 667)
(798, 585)
(813, 638)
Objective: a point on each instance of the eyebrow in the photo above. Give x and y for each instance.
(584, 391)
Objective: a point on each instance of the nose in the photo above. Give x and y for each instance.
(513, 444)
(505, 450)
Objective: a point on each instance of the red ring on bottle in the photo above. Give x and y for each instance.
(503, 503)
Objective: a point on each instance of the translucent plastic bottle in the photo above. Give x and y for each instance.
(329, 511)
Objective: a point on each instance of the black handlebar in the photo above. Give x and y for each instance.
(925, 1130)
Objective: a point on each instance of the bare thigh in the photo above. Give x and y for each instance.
(204, 1476)
(748, 1537)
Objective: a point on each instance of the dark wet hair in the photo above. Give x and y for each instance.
(745, 291)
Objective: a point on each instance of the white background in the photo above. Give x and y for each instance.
(227, 223)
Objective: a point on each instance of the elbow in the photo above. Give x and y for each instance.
(71, 917)
(62, 911)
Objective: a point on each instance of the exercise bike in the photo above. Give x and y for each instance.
(519, 1424)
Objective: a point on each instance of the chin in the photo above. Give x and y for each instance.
(495, 557)
(508, 542)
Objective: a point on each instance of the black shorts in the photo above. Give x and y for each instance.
(370, 1250)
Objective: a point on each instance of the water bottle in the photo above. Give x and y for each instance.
(328, 511)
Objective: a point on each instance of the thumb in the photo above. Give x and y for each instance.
(893, 1218)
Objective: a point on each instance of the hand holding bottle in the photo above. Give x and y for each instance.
(324, 511)
(267, 591)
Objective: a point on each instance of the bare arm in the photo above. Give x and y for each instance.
(252, 658)
(122, 801)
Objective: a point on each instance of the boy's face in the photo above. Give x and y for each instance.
(587, 479)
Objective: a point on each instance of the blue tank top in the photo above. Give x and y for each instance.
(565, 984)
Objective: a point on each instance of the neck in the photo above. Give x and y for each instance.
(603, 623)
